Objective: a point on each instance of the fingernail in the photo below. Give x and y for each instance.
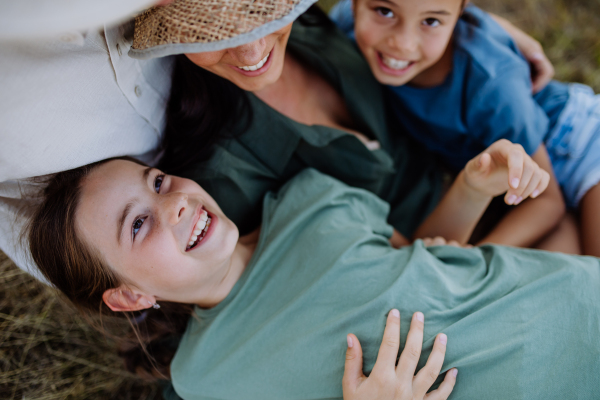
(443, 338)
(537, 56)
(454, 372)
(535, 193)
(514, 183)
(350, 342)
(519, 199)
(396, 313)
(511, 199)
(420, 317)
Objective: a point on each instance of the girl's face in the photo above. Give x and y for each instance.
(142, 223)
(403, 40)
(252, 66)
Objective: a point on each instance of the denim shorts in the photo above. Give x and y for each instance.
(574, 144)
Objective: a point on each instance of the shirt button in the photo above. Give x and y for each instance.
(119, 49)
(138, 91)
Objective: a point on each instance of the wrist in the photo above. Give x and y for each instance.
(472, 194)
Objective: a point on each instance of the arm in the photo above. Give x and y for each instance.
(526, 224)
(502, 167)
(390, 382)
(542, 70)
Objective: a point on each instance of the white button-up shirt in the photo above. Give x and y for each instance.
(67, 101)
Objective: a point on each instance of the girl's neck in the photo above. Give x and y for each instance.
(238, 262)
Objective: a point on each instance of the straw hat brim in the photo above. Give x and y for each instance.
(171, 48)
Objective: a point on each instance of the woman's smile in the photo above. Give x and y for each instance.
(258, 69)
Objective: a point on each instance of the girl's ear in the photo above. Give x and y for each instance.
(123, 299)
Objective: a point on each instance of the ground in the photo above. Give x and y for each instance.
(48, 351)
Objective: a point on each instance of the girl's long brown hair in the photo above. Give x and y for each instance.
(79, 272)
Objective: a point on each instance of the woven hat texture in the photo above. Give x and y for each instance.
(206, 22)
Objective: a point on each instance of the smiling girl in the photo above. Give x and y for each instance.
(272, 308)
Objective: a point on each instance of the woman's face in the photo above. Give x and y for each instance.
(142, 223)
(251, 67)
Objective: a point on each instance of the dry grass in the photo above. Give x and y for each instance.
(48, 352)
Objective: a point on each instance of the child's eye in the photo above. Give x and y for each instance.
(158, 182)
(384, 12)
(431, 22)
(137, 225)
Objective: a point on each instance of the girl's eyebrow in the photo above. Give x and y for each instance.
(121, 221)
(440, 12)
(129, 206)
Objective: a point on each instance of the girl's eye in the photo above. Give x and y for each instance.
(384, 12)
(158, 182)
(137, 225)
(431, 22)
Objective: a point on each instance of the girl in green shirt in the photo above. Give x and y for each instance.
(271, 308)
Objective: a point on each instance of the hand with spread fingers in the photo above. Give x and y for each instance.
(506, 167)
(390, 382)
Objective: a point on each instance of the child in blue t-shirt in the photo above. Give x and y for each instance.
(458, 83)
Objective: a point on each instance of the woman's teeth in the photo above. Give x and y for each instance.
(257, 66)
(200, 230)
(393, 63)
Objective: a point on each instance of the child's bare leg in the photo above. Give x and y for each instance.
(564, 238)
(590, 221)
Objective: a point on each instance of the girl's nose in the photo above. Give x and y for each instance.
(173, 207)
(250, 53)
(404, 41)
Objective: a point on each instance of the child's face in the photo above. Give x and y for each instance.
(141, 222)
(403, 40)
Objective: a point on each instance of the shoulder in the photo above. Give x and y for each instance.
(488, 49)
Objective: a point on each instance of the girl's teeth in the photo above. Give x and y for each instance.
(395, 64)
(257, 66)
(204, 216)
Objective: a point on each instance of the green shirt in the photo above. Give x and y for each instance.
(273, 148)
(521, 324)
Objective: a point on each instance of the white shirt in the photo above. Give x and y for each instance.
(67, 101)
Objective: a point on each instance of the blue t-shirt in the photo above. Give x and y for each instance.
(487, 96)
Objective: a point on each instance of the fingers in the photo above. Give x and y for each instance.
(353, 372)
(388, 351)
(443, 392)
(412, 350)
(430, 372)
(542, 71)
(436, 241)
(542, 186)
(533, 178)
(515, 166)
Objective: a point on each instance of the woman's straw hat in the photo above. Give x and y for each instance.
(196, 26)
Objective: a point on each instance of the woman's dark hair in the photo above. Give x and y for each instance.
(204, 108)
(78, 271)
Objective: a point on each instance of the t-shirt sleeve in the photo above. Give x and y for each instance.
(310, 192)
(504, 108)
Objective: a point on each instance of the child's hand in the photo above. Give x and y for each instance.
(506, 167)
(389, 381)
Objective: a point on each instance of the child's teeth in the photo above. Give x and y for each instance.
(395, 64)
(204, 216)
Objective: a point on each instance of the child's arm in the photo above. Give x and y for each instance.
(526, 224)
(484, 177)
